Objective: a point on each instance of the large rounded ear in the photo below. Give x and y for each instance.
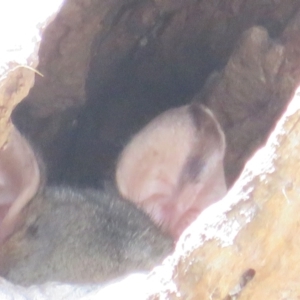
(149, 167)
(19, 180)
(173, 168)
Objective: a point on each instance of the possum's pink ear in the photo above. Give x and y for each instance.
(19, 180)
(149, 167)
(173, 168)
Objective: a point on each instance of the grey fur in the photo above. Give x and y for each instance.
(82, 236)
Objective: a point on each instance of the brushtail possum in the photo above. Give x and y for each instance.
(67, 234)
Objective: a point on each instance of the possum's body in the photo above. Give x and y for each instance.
(81, 236)
(172, 170)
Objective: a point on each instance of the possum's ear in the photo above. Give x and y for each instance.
(19, 180)
(173, 168)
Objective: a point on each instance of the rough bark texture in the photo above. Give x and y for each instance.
(252, 91)
(15, 85)
(110, 66)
